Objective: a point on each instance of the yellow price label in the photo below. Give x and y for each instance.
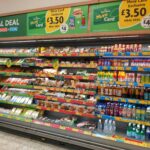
(115, 53)
(56, 18)
(146, 53)
(140, 69)
(62, 127)
(134, 12)
(87, 132)
(75, 130)
(92, 54)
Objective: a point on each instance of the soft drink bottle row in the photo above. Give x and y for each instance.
(138, 132)
(125, 92)
(121, 48)
(124, 62)
(123, 76)
(123, 110)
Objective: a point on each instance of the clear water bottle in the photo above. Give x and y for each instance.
(106, 127)
(110, 129)
(148, 133)
(99, 126)
(113, 128)
(142, 133)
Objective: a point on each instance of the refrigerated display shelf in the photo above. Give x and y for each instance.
(109, 54)
(66, 112)
(68, 90)
(75, 54)
(65, 100)
(18, 104)
(122, 139)
(62, 127)
(80, 131)
(133, 68)
(122, 119)
(66, 65)
(16, 85)
(79, 77)
(17, 55)
(123, 100)
(125, 83)
(23, 74)
(74, 77)
(143, 53)
(24, 64)
(78, 66)
(19, 118)
(16, 93)
(51, 65)
(116, 138)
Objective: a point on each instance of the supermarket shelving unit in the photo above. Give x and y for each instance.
(63, 133)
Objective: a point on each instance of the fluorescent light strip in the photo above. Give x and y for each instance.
(76, 39)
(17, 41)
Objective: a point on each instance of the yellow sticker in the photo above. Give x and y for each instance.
(133, 12)
(55, 18)
(9, 63)
(62, 127)
(75, 130)
(55, 63)
(87, 132)
(92, 54)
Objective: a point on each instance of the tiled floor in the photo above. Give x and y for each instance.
(10, 141)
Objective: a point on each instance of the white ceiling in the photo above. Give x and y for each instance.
(8, 6)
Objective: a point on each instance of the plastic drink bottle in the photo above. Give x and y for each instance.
(110, 127)
(137, 133)
(133, 112)
(142, 133)
(106, 127)
(99, 127)
(129, 130)
(148, 133)
(113, 127)
(133, 130)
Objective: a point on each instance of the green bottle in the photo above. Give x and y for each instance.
(133, 130)
(137, 134)
(129, 130)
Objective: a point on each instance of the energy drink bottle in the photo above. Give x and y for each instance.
(72, 22)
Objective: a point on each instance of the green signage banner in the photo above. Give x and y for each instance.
(58, 21)
(13, 26)
(124, 15)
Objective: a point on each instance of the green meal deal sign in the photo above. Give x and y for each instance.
(58, 21)
(13, 26)
(120, 16)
